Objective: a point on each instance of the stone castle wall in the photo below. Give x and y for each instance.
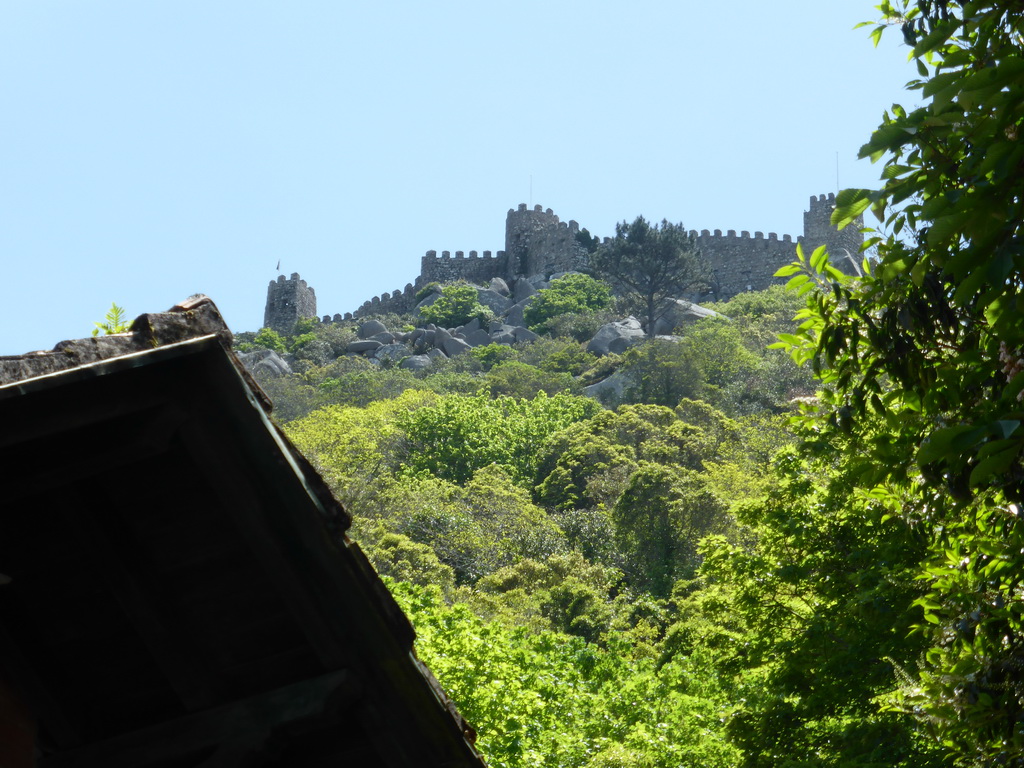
(744, 263)
(537, 242)
(474, 269)
(741, 262)
(287, 301)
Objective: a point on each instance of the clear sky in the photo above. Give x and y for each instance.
(152, 150)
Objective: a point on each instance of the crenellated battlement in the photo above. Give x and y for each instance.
(287, 301)
(486, 255)
(537, 242)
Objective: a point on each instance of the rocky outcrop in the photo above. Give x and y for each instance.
(616, 337)
(264, 361)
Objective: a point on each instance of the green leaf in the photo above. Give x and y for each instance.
(943, 442)
(789, 269)
(993, 465)
(850, 203)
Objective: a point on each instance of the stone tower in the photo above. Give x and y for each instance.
(536, 242)
(843, 245)
(287, 301)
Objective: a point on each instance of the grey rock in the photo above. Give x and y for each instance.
(524, 334)
(384, 338)
(478, 338)
(611, 390)
(371, 328)
(537, 281)
(392, 352)
(677, 312)
(503, 337)
(441, 335)
(426, 302)
(471, 326)
(453, 347)
(498, 284)
(264, 361)
(497, 303)
(616, 337)
(365, 345)
(416, 362)
(523, 290)
(515, 315)
(437, 354)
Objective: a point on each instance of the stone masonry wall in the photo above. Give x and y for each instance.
(537, 242)
(445, 269)
(743, 263)
(287, 301)
(746, 263)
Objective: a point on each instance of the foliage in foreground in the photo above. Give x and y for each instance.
(923, 361)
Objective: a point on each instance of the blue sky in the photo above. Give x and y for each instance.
(153, 150)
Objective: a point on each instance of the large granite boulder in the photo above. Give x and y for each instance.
(523, 290)
(612, 390)
(677, 312)
(364, 345)
(264, 361)
(524, 334)
(616, 337)
(371, 328)
(497, 303)
(453, 347)
(391, 352)
(503, 334)
(416, 362)
(514, 316)
(478, 338)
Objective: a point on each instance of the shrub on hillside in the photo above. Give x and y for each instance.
(457, 305)
(572, 294)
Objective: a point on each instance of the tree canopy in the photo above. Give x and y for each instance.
(922, 360)
(649, 264)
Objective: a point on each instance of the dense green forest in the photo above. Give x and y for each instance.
(736, 559)
(555, 554)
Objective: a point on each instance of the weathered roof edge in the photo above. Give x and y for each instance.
(197, 320)
(195, 317)
(189, 320)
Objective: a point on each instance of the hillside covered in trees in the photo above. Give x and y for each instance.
(731, 559)
(634, 582)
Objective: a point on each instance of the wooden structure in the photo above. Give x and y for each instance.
(176, 585)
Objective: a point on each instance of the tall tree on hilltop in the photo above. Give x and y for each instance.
(650, 264)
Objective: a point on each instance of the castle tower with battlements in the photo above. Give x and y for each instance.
(537, 242)
(287, 301)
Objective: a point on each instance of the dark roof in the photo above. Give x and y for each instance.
(181, 589)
